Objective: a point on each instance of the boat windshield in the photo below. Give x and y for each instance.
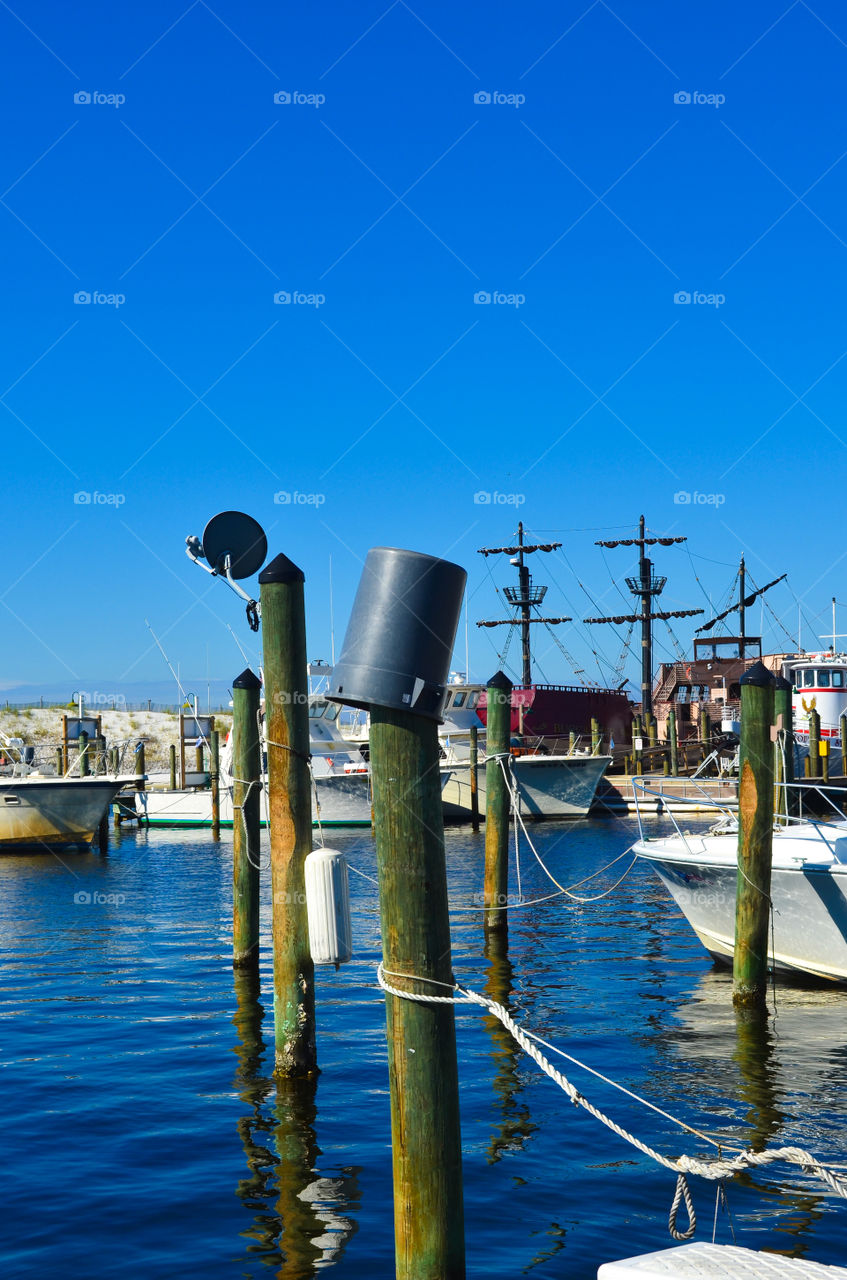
(316, 710)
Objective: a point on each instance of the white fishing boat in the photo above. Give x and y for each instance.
(808, 889)
(549, 785)
(341, 791)
(47, 812)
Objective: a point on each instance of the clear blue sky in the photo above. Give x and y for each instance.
(398, 198)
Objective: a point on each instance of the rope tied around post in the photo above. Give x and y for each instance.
(712, 1170)
(283, 746)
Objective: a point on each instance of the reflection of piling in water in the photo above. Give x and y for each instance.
(253, 1088)
(754, 1055)
(516, 1126)
(313, 1229)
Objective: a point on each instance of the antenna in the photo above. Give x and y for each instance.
(175, 674)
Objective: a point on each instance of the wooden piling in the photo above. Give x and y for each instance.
(172, 766)
(571, 742)
(140, 766)
(246, 779)
(673, 743)
(290, 811)
(814, 744)
(498, 721)
(199, 758)
(423, 1073)
(755, 837)
(595, 735)
(84, 769)
(843, 725)
(823, 755)
(60, 761)
(474, 781)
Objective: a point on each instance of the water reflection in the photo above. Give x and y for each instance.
(516, 1127)
(792, 1077)
(300, 1219)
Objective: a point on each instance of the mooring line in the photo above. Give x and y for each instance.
(712, 1170)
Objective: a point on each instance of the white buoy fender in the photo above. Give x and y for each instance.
(328, 907)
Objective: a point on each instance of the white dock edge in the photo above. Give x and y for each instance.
(716, 1262)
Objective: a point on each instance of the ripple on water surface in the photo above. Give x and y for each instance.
(143, 1136)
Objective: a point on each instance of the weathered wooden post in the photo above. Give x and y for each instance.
(60, 761)
(140, 766)
(172, 767)
(181, 750)
(595, 735)
(246, 780)
(214, 781)
(571, 742)
(395, 660)
(673, 743)
(83, 754)
(843, 725)
(823, 756)
(474, 780)
(199, 758)
(498, 725)
(755, 837)
(290, 813)
(814, 744)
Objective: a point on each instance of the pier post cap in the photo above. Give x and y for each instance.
(500, 681)
(780, 683)
(281, 569)
(247, 680)
(758, 676)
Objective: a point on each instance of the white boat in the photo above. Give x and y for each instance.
(819, 683)
(808, 889)
(341, 790)
(41, 811)
(560, 785)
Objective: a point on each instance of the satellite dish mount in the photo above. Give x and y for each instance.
(234, 546)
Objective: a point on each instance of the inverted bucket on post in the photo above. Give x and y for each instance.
(400, 637)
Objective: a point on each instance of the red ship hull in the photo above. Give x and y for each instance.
(554, 711)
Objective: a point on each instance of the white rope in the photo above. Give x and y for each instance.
(574, 896)
(712, 1170)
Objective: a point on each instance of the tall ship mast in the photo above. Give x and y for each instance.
(647, 587)
(548, 710)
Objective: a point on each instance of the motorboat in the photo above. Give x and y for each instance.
(808, 887)
(341, 790)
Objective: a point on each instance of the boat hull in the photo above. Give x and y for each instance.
(549, 786)
(809, 901)
(343, 800)
(53, 812)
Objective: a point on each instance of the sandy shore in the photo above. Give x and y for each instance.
(156, 729)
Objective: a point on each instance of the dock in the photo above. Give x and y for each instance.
(615, 796)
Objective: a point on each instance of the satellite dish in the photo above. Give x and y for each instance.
(239, 536)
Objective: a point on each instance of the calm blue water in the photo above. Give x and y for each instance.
(142, 1136)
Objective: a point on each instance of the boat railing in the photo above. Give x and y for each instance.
(707, 801)
(782, 819)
